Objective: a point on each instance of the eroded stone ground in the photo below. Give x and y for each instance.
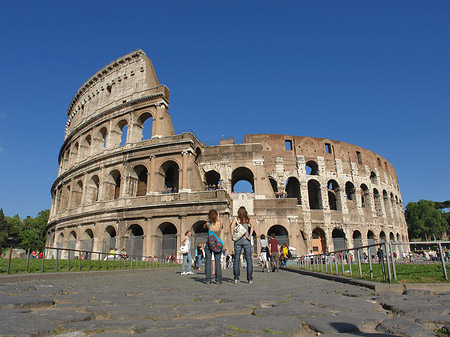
(164, 303)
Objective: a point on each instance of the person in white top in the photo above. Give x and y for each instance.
(243, 243)
(187, 257)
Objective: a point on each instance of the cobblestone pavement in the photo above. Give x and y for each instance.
(161, 302)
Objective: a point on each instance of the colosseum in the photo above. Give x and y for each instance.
(126, 180)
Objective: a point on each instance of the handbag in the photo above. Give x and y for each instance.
(184, 249)
(239, 231)
(214, 242)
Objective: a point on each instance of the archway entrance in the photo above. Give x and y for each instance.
(166, 240)
(338, 239)
(109, 241)
(135, 240)
(199, 234)
(281, 234)
(319, 244)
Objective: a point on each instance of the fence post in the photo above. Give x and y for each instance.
(68, 260)
(350, 262)
(393, 261)
(442, 261)
(79, 261)
(28, 259)
(359, 263)
(387, 260)
(370, 265)
(43, 261)
(57, 257)
(342, 263)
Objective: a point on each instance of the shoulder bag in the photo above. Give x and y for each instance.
(239, 231)
(214, 242)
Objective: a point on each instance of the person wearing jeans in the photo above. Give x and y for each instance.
(243, 243)
(187, 257)
(214, 224)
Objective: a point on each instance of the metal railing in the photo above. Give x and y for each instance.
(55, 259)
(385, 255)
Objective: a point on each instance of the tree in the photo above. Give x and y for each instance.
(33, 230)
(424, 220)
(3, 228)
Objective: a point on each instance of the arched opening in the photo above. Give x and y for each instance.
(365, 200)
(77, 194)
(373, 177)
(312, 168)
(66, 163)
(242, 181)
(382, 236)
(114, 185)
(357, 239)
(333, 195)
(281, 234)
(87, 243)
(398, 237)
(134, 243)
(350, 195)
(293, 189)
(140, 176)
(377, 202)
(169, 170)
(199, 234)
(386, 203)
(93, 187)
(319, 244)
(166, 240)
(74, 154)
(274, 185)
(198, 153)
(212, 180)
(391, 237)
(123, 129)
(102, 135)
(338, 236)
(85, 147)
(109, 239)
(145, 126)
(314, 194)
(72, 244)
(393, 208)
(65, 198)
(371, 241)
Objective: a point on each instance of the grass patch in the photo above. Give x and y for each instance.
(18, 266)
(406, 273)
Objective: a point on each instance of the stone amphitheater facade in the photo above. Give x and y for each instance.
(126, 180)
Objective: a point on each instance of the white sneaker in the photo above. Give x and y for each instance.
(183, 273)
(189, 273)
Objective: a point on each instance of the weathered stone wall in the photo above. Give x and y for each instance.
(115, 187)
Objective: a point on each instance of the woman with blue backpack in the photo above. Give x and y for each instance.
(214, 247)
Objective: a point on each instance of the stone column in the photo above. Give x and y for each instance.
(151, 176)
(185, 159)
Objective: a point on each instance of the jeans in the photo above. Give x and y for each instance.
(243, 243)
(208, 264)
(186, 258)
(199, 261)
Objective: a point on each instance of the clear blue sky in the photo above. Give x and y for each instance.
(371, 73)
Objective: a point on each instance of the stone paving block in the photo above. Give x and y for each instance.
(294, 309)
(24, 301)
(333, 324)
(404, 327)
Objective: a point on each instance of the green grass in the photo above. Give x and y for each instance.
(406, 273)
(35, 265)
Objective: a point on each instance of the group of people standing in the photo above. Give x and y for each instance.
(242, 230)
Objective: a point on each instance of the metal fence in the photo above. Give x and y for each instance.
(387, 254)
(58, 259)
